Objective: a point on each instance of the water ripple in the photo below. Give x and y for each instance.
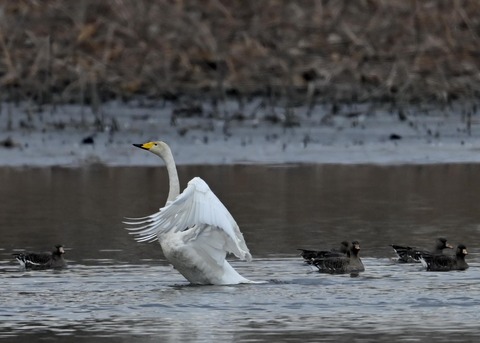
(120, 300)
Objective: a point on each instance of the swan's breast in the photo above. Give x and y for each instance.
(187, 262)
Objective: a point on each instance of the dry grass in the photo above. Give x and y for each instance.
(365, 50)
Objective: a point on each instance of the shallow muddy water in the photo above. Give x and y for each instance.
(118, 290)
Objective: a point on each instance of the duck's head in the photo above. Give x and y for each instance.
(462, 250)
(355, 247)
(442, 243)
(59, 249)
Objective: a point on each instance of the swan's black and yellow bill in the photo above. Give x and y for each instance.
(146, 146)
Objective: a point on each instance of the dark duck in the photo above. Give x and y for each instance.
(443, 263)
(52, 260)
(347, 264)
(310, 255)
(407, 254)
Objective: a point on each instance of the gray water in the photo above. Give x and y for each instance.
(118, 290)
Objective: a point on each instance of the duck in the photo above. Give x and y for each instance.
(195, 230)
(38, 261)
(348, 264)
(407, 254)
(442, 263)
(310, 255)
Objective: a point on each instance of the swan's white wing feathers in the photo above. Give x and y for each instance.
(196, 205)
(208, 243)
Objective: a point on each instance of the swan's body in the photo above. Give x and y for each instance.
(195, 230)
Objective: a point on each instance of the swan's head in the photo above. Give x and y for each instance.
(157, 147)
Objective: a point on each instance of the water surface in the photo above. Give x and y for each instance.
(117, 289)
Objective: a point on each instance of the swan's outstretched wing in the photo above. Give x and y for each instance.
(197, 205)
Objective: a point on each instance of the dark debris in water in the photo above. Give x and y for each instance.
(88, 140)
(8, 143)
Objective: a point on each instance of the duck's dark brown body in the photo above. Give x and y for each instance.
(51, 260)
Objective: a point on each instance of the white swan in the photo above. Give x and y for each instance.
(194, 229)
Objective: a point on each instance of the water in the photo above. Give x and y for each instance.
(116, 289)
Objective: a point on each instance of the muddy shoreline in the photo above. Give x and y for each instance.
(228, 82)
(251, 133)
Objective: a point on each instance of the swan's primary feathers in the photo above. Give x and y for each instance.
(194, 229)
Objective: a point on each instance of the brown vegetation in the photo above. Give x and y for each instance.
(365, 50)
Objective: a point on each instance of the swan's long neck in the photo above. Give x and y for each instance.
(173, 181)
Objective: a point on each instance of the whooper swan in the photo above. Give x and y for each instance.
(195, 230)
